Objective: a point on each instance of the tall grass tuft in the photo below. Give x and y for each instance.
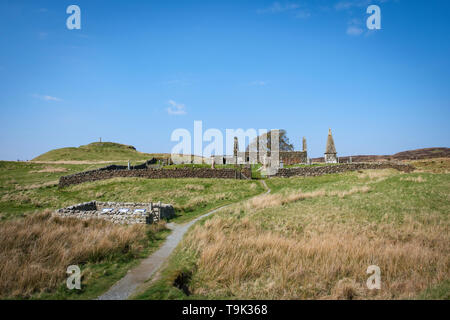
(36, 251)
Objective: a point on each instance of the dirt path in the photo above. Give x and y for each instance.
(126, 286)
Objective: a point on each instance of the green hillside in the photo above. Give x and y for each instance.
(97, 151)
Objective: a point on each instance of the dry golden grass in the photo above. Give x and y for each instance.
(253, 186)
(377, 175)
(274, 200)
(37, 185)
(17, 196)
(204, 200)
(437, 165)
(414, 179)
(243, 260)
(50, 170)
(194, 187)
(36, 251)
(277, 246)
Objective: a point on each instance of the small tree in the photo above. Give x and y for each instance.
(265, 140)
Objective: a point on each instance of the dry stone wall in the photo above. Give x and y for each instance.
(103, 174)
(310, 171)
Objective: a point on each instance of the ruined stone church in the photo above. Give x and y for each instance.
(285, 157)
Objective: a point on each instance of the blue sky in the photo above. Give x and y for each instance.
(137, 70)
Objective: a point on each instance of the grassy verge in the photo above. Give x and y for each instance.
(313, 238)
(440, 291)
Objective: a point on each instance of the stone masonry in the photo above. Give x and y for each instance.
(119, 212)
(103, 174)
(311, 171)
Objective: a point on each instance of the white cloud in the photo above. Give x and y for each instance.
(276, 7)
(50, 98)
(176, 108)
(46, 97)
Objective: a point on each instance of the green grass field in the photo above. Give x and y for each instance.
(313, 238)
(27, 189)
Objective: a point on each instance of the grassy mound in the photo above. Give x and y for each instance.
(97, 151)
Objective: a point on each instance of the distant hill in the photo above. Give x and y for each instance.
(418, 154)
(97, 151)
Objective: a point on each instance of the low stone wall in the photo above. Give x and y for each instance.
(119, 212)
(310, 171)
(102, 174)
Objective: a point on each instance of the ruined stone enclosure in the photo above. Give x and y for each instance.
(119, 212)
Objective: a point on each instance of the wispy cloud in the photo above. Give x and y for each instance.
(299, 10)
(354, 30)
(303, 14)
(277, 7)
(46, 97)
(350, 4)
(173, 82)
(170, 82)
(259, 83)
(42, 35)
(176, 109)
(354, 27)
